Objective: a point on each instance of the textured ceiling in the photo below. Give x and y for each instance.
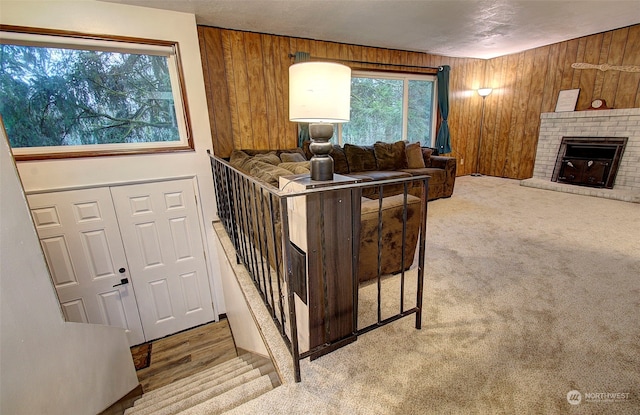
(460, 28)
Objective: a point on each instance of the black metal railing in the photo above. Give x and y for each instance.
(256, 217)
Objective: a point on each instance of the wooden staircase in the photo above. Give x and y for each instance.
(213, 391)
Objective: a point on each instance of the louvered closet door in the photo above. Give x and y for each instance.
(161, 234)
(79, 234)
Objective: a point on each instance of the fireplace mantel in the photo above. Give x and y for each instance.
(623, 123)
(590, 113)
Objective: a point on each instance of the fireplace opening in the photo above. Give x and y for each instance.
(589, 161)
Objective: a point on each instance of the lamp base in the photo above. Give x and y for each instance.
(322, 168)
(320, 147)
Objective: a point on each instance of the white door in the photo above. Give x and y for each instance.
(79, 234)
(161, 234)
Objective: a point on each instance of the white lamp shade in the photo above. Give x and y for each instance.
(319, 92)
(484, 92)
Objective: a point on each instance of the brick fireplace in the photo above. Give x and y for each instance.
(617, 124)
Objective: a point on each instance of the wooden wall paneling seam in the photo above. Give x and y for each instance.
(532, 117)
(244, 136)
(514, 163)
(231, 86)
(569, 58)
(628, 92)
(559, 76)
(456, 123)
(603, 57)
(515, 115)
(551, 79)
(575, 83)
(593, 44)
(256, 89)
(318, 49)
(634, 36)
(497, 66)
(289, 130)
(506, 113)
(492, 110)
(345, 52)
(217, 91)
(615, 56)
(271, 104)
(458, 126)
(469, 103)
(206, 73)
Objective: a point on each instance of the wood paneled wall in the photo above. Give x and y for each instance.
(246, 80)
(247, 83)
(527, 84)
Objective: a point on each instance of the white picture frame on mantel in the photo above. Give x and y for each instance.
(567, 100)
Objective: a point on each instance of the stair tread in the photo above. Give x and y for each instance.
(182, 401)
(220, 369)
(193, 388)
(232, 398)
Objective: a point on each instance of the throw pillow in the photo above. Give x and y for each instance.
(340, 163)
(240, 160)
(292, 157)
(426, 153)
(299, 167)
(267, 172)
(414, 156)
(360, 158)
(390, 156)
(269, 157)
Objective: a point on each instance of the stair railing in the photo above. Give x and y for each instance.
(256, 217)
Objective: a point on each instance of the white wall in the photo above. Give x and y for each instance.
(96, 17)
(48, 366)
(245, 332)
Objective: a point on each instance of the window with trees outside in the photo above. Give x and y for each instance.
(70, 95)
(390, 107)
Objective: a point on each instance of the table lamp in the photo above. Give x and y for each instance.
(320, 94)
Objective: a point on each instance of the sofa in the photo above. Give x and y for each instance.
(382, 161)
(370, 164)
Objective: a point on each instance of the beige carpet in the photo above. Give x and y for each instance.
(529, 294)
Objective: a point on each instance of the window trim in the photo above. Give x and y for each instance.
(405, 76)
(147, 46)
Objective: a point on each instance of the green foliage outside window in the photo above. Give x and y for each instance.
(420, 116)
(69, 97)
(378, 109)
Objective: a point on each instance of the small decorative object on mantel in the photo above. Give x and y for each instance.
(606, 67)
(598, 104)
(567, 100)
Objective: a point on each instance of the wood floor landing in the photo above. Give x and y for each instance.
(183, 354)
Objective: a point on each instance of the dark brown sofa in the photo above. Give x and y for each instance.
(359, 162)
(383, 161)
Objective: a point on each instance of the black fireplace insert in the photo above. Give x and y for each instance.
(589, 161)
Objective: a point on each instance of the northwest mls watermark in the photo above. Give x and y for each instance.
(575, 397)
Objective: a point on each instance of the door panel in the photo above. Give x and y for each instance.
(161, 233)
(81, 241)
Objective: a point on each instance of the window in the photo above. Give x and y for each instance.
(390, 107)
(71, 95)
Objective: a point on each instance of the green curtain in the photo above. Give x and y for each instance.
(303, 133)
(443, 139)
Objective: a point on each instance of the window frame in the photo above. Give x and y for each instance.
(405, 77)
(122, 44)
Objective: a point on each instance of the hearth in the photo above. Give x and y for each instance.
(589, 161)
